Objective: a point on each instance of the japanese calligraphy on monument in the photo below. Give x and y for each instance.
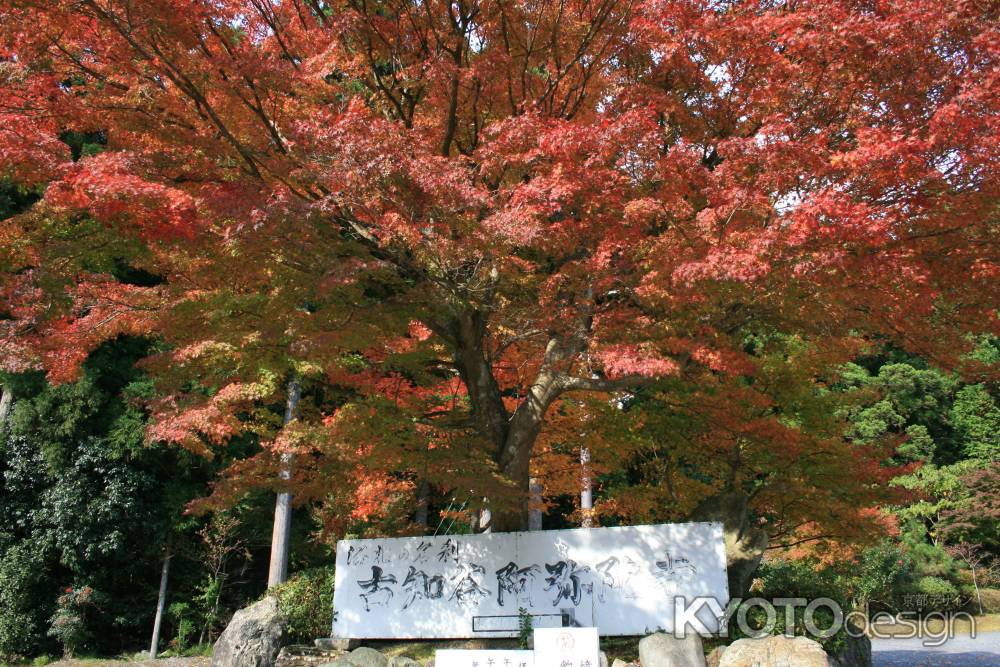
(620, 580)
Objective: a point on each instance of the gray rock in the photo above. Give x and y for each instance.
(621, 663)
(663, 650)
(253, 638)
(336, 644)
(338, 663)
(366, 657)
(403, 661)
(778, 651)
(715, 657)
(603, 658)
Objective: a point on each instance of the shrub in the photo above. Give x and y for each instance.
(797, 579)
(25, 607)
(940, 594)
(183, 618)
(306, 602)
(69, 623)
(879, 573)
(991, 600)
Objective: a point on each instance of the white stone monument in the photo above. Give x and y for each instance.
(623, 581)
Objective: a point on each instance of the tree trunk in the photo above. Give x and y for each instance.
(745, 543)
(423, 504)
(514, 458)
(535, 505)
(979, 595)
(161, 603)
(6, 402)
(282, 531)
(586, 490)
(512, 435)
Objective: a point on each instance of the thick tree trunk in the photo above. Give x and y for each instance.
(513, 435)
(161, 603)
(745, 543)
(282, 531)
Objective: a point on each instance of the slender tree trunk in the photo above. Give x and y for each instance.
(423, 503)
(586, 490)
(535, 505)
(282, 531)
(979, 595)
(161, 603)
(6, 402)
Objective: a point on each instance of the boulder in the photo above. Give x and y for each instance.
(336, 644)
(366, 657)
(403, 661)
(253, 638)
(602, 658)
(620, 663)
(778, 651)
(663, 650)
(715, 657)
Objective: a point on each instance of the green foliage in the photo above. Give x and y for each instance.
(306, 602)
(941, 589)
(910, 401)
(83, 499)
(184, 623)
(976, 417)
(797, 579)
(879, 573)
(525, 628)
(22, 591)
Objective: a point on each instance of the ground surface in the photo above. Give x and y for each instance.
(162, 662)
(961, 651)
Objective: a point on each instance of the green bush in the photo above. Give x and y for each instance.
(306, 602)
(24, 606)
(797, 579)
(183, 618)
(875, 579)
(940, 594)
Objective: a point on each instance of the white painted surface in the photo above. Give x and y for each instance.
(567, 647)
(473, 658)
(620, 580)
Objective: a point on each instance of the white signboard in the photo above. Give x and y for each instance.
(567, 647)
(623, 581)
(473, 658)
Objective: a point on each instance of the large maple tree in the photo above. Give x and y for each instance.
(546, 197)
